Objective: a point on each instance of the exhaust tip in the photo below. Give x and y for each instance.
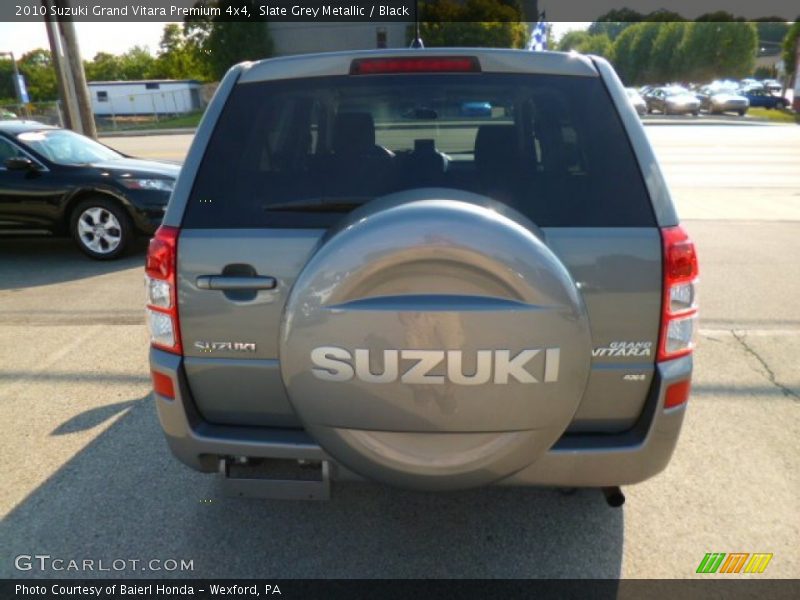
(614, 496)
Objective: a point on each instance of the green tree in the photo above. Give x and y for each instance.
(137, 63)
(482, 23)
(7, 94)
(599, 45)
(666, 60)
(663, 15)
(572, 40)
(622, 56)
(179, 56)
(614, 22)
(713, 49)
(789, 54)
(719, 16)
(642, 48)
(586, 43)
(103, 67)
(771, 29)
(40, 78)
(221, 42)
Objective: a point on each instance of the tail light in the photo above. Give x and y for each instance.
(416, 64)
(679, 312)
(160, 279)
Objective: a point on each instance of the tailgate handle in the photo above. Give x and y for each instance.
(229, 283)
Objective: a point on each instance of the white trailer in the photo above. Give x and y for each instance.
(147, 97)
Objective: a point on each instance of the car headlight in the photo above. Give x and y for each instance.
(159, 185)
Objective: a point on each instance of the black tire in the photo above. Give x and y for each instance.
(696, 113)
(741, 112)
(101, 212)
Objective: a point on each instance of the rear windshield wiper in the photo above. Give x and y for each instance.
(322, 204)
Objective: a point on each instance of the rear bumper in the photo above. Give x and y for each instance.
(576, 460)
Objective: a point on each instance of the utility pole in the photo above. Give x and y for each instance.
(75, 64)
(76, 93)
(70, 108)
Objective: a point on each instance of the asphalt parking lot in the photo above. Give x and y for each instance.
(86, 474)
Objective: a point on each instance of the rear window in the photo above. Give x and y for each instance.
(299, 153)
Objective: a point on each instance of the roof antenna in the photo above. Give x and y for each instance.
(417, 43)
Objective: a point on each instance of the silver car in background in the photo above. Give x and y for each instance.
(673, 100)
(718, 101)
(637, 101)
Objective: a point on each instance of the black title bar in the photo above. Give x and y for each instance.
(373, 10)
(395, 589)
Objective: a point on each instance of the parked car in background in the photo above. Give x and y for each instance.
(637, 101)
(6, 114)
(772, 85)
(476, 109)
(673, 100)
(718, 101)
(56, 180)
(762, 98)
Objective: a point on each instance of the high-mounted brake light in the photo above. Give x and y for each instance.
(416, 64)
(679, 306)
(160, 280)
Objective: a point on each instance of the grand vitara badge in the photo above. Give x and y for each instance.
(418, 366)
(624, 348)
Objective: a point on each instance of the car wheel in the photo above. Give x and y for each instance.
(696, 113)
(101, 228)
(742, 113)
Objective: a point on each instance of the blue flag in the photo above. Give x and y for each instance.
(538, 40)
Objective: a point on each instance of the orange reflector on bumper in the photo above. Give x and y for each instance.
(677, 394)
(162, 385)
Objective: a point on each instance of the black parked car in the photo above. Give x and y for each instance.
(57, 180)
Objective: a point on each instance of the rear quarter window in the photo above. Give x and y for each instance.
(299, 153)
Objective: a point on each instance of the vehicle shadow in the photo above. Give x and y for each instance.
(124, 497)
(31, 260)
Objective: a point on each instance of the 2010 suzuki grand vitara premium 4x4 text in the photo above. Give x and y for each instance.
(357, 278)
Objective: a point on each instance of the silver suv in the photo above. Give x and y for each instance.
(359, 278)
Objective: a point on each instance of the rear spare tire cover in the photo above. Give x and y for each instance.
(435, 342)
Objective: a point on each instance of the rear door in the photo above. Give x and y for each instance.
(281, 168)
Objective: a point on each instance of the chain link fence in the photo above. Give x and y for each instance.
(159, 109)
(49, 113)
(115, 111)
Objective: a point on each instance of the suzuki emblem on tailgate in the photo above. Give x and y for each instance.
(338, 364)
(229, 346)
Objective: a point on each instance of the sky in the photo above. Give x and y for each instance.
(116, 38)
